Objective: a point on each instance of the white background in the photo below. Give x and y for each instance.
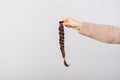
(29, 47)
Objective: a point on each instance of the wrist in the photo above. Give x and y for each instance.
(78, 26)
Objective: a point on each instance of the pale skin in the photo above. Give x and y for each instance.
(71, 23)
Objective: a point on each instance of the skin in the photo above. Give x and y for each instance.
(71, 23)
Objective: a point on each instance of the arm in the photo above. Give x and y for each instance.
(103, 33)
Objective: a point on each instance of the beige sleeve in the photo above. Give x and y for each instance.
(104, 33)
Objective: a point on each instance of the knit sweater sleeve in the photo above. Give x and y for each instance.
(104, 33)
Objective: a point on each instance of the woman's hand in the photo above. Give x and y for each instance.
(71, 23)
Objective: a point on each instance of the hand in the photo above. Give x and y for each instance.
(71, 23)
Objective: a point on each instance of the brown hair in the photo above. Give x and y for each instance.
(61, 42)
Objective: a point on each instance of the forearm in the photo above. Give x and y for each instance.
(104, 33)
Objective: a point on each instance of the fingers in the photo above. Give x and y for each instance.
(66, 24)
(66, 19)
(69, 22)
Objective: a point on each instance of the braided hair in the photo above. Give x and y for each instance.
(61, 42)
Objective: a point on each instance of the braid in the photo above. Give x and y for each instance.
(61, 42)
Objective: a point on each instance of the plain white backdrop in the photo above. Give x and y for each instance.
(29, 47)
